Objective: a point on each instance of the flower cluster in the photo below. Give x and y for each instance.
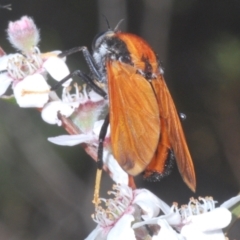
(26, 72)
(139, 214)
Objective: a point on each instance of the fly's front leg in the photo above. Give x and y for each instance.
(88, 80)
(89, 59)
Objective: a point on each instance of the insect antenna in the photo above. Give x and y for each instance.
(119, 23)
(108, 25)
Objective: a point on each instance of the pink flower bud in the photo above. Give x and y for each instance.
(23, 34)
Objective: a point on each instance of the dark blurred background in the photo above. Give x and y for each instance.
(46, 190)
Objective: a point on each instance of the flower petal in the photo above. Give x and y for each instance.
(51, 110)
(57, 68)
(4, 61)
(166, 232)
(122, 229)
(153, 206)
(192, 232)
(72, 140)
(95, 234)
(231, 202)
(116, 172)
(210, 221)
(148, 202)
(5, 82)
(33, 91)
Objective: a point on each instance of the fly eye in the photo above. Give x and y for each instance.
(98, 39)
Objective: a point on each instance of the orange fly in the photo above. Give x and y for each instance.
(145, 128)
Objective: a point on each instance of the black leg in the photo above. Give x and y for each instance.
(89, 81)
(89, 59)
(102, 136)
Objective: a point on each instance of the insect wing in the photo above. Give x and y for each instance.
(177, 139)
(134, 117)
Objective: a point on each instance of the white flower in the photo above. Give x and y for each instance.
(88, 106)
(195, 221)
(129, 211)
(50, 112)
(115, 219)
(65, 107)
(84, 109)
(87, 109)
(30, 68)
